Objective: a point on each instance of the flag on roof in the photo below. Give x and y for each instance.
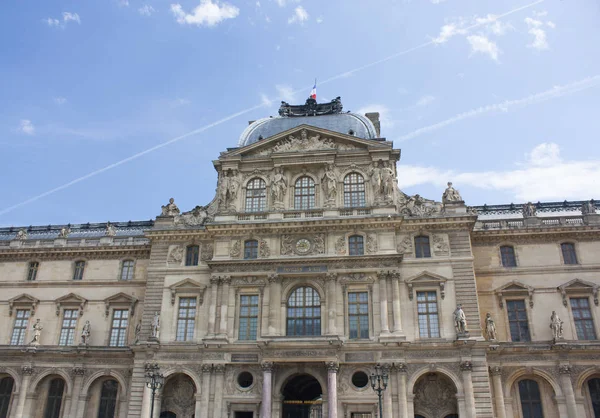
(313, 92)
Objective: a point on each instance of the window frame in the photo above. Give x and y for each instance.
(187, 338)
(194, 258)
(5, 403)
(520, 397)
(589, 400)
(416, 247)
(240, 317)
(55, 413)
(319, 318)
(356, 246)
(575, 254)
(249, 201)
(29, 269)
(513, 255)
(574, 320)
(131, 270)
(115, 401)
(528, 319)
(439, 313)
(22, 329)
(79, 268)
(349, 315)
(250, 250)
(73, 328)
(354, 191)
(125, 329)
(309, 198)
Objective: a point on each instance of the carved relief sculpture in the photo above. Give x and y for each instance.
(375, 174)
(155, 327)
(388, 182)
(329, 182)
(85, 333)
(417, 206)
(529, 210)
(263, 249)
(287, 245)
(405, 245)
(371, 244)
(228, 190)
(21, 235)
(490, 328)
(460, 321)
(170, 209)
(138, 330)
(236, 249)
(110, 231)
(64, 232)
(451, 195)
(207, 251)
(440, 247)
(37, 333)
(340, 246)
(278, 188)
(175, 255)
(556, 325)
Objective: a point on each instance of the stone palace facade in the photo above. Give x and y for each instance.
(308, 269)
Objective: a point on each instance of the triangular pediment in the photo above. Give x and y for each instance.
(577, 284)
(187, 286)
(426, 277)
(70, 298)
(23, 300)
(120, 299)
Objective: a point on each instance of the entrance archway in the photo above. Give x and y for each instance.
(435, 397)
(302, 397)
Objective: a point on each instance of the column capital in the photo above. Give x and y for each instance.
(27, 370)
(77, 371)
(207, 368)
(214, 280)
(400, 367)
(219, 368)
(273, 277)
(466, 366)
(332, 366)
(496, 370)
(267, 366)
(331, 277)
(565, 369)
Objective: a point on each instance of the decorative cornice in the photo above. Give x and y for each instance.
(70, 253)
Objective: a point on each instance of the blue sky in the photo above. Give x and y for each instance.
(501, 97)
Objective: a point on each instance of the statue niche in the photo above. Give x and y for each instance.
(229, 185)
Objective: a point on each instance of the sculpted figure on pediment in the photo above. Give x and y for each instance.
(451, 195)
(110, 231)
(22, 234)
(170, 209)
(329, 182)
(588, 208)
(64, 232)
(278, 188)
(417, 206)
(228, 190)
(529, 210)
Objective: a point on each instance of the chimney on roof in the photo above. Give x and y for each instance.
(374, 118)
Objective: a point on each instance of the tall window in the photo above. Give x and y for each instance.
(118, 328)
(507, 253)
(356, 245)
(584, 323)
(20, 328)
(32, 270)
(6, 388)
(108, 399)
(256, 195)
(79, 268)
(186, 319)
(248, 317)
(429, 325)
(192, 253)
(55, 397)
(568, 252)
(594, 387)
(354, 190)
(127, 270)
(422, 249)
(517, 320)
(304, 193)
(358, 315)
(304, 312)
(67, 331)
(531, 401)
(251, 249)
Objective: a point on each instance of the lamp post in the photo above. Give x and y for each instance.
(154, 381)
(379, 382)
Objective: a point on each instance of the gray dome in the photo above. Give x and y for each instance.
(344, 123)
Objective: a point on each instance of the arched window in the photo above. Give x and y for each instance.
(127, 270)
(55, 398)
(568, 252)
(304, 312)
(108, 399)
(356, 245)
(79, 268)
(354, 190)
(191, 255)
(256, 195)
(250, 249)
(531, 401)
(304, 193)
(422, 249)
(6, 388)
(507, 253)
(594, 387)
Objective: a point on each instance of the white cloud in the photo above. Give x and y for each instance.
(536, 28)
(60, 100)
(265, 100)
(207, 13)
(384, 114)
(146, 10)
(551, 24)
(179, 102)
(437, 1)
(541, 14)
(71, 17)
(66, 17)
(123, 3)
(425, 101)
(300, 15)
(448, 31)
(285, 92)
(543, 175)
(319, 19)
(52, 22)
(480, 43)
(26, 127)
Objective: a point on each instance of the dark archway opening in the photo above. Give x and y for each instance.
(302, 397)
(244, 415)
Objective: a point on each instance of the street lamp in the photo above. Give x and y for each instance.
(379, 382)
(154, 381)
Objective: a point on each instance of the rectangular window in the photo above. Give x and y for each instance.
(248, 317)
(358, 315)
(118, 328)
(517, 320)
(186, 319)
(250, 249)
(127, 270)
(191, 255)
(584, 323)
(422, 248)
(67, 331)
(20, 328)
(32, 271)
(79, 267)
(427, 309)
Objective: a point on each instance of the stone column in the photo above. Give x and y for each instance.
(212, 314)
(275, 304)
(219, 370)
(385, 329)
(402, 400)
(205, 398)
(198, 406)
(387, 393)
(146, 400)
(265, 407)
(157, 403)
(224, 305)
(79, 399)
(266, 308)
(396, 303)
(496, 372)
(332, 407)
(331, 303)
(26, 372)
(467, 369)
(567, 388)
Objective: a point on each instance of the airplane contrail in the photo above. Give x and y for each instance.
(242, 112)
(553, 93)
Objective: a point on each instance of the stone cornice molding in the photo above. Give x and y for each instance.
(120, 299)
(577, 286)
(514, 289)
(73, 284)
(71, 253)
(545, 234)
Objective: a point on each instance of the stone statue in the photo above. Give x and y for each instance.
(22, 234)
(64, 232)
(388, 181)
(556, 325)
(451, 195)
(170, 209)
(37, 333)
(529, 210)
(85, 333)
(588, 208)
(278, 187)
(490, 327)
(460, 320)
(376, 180)
(229, 189)
(138, 330)
(156, 326)
(329, 183)
(110, 230)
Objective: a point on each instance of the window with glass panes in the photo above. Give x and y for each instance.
(304, 312)
(108, 399)
(531, 400)
(250, 249)
(508, 256)
(256, 195)
(6, 390)
(427, 310)
(304, 193)
(517, 320)
(356, 245)
(55, 398)
(118, 329)
(67, 331)
(422, 248)
(354, 190)
(584, 322)
(594, 388)
(248, 317)
(127, 270)
(20, 327)
(568, 252)
(191, 255)
(32, 270)
(79, 268)
(186, 319)
(358, 315)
